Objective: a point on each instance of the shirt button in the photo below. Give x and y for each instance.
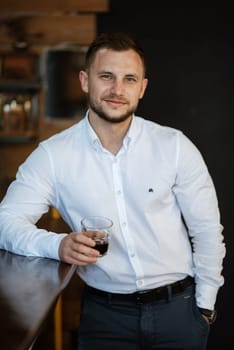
(119, 192)
(124, 224)
(132, 255)
(139, 283)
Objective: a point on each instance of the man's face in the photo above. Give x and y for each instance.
(114, 84)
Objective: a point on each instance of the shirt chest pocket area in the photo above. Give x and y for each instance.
(155, 195)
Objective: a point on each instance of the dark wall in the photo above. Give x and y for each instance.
(190, 54)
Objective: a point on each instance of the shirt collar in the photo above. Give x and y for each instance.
(129, 137)
(91, 133)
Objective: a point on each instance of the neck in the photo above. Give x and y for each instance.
(110, 134)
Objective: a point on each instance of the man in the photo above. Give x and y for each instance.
(156, 287)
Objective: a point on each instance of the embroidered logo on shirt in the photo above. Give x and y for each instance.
(150, 190)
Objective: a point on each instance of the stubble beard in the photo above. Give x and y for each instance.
(114, 120)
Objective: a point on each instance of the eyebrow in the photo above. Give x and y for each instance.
(130, 75)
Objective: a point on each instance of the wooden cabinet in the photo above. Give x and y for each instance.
(30, 30)
(35, 28)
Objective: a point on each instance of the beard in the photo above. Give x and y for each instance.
(104, 116)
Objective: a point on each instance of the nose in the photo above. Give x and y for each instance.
(117, 87)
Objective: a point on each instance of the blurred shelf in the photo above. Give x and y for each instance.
(19, 85)
(26, 137)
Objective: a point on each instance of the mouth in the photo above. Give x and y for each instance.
(115, 102)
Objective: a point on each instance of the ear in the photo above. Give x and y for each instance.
(144, 86)
(83, 76)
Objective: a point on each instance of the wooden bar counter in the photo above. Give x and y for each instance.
(29, 289)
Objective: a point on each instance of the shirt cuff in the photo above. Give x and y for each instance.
(51, 249)
(206, 296)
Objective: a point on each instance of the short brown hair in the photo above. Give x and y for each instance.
(117, 41)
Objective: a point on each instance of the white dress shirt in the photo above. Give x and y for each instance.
(157, 176)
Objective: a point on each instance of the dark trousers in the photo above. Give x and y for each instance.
(172, 323)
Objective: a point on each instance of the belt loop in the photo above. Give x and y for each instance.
(182, 285)
(169, 293)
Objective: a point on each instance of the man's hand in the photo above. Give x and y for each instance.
(206, 318)
(76, 248)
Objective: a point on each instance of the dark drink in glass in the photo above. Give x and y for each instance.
(101, 245)
(98, 228)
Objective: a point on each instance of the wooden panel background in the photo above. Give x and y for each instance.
(47, 24)
(45, 6)
(52, 30)
(44, 24)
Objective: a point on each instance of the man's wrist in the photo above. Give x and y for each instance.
(210, 314)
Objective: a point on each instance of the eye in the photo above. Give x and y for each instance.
(131, 79)
(106, 76)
